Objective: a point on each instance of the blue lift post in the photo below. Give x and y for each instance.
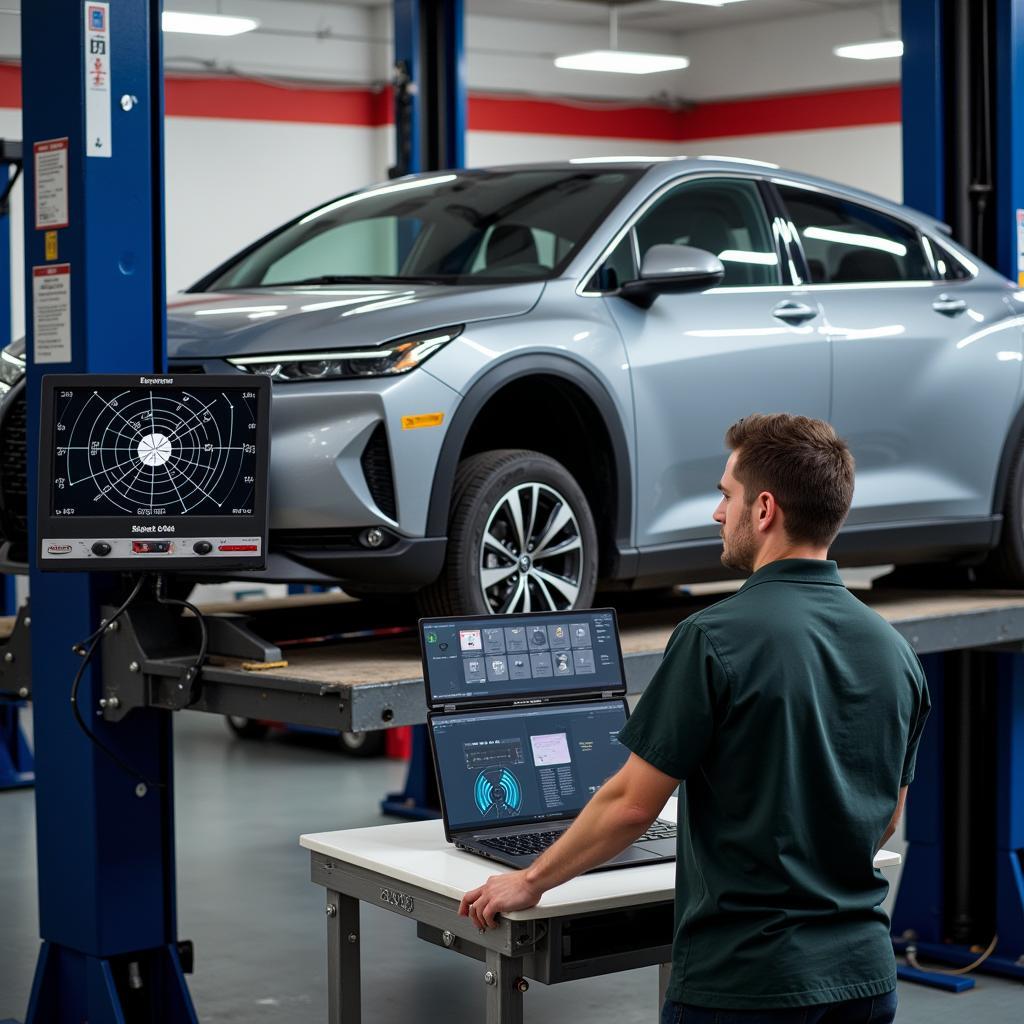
(430, 133)
(105, 843)
(963, 162)
(16, 762)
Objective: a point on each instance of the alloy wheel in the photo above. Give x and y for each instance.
(531, 553)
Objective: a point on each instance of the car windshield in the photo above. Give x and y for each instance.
(459, 227)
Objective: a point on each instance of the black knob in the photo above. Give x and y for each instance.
(101, 548)
(202, 547)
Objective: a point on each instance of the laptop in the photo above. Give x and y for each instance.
(524, 716)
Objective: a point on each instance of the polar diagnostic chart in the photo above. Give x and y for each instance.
(158, 452)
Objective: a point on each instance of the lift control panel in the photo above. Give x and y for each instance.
(153, 472)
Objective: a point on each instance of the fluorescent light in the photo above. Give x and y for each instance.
(384, 190)
(207, 24)
(763, 259)
(871, 51)
(859, 240)
(706, 3)
(622, 62)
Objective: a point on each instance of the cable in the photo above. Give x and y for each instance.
(87, 648)
(193, 678)
(911, 954)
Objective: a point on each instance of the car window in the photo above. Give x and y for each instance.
(722, 216)
(845, 242)
(359, 247)
(620, 266)
(455, 227)
(948, 266)
(546, 246)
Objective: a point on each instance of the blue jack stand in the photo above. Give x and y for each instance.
(419, 800)
(17, 766)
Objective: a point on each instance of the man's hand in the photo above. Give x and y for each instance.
(510, 891)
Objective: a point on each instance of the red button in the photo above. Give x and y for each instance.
(238, 547)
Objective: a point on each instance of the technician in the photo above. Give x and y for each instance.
(790, 713)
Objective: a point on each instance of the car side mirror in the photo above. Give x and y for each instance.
(672, 268)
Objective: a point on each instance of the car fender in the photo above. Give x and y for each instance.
(489, 384)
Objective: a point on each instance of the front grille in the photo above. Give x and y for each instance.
(13, 473)
(376, 462)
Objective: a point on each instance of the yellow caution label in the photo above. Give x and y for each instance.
(51, 245)
(427, 419)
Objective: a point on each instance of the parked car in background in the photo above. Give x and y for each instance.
(504, 387)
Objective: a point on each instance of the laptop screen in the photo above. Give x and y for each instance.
(498, 768)
(502, 657)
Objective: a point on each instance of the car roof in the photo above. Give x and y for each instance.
(663, 168)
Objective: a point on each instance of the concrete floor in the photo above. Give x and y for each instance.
(258, 923)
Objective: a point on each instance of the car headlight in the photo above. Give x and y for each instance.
(395, 357)
(12, 369)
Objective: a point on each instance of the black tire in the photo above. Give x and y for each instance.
(483, 485)
(1005, 564)
(246, 728)
(362, 744)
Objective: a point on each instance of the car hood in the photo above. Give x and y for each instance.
(266, 321)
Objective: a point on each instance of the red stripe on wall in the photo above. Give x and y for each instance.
(243, 99)
(564, 117)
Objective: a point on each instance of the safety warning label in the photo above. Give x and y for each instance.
(1020, 248)
(51, 313)
(97, 79)
(51, 166)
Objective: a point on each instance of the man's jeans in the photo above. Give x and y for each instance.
(875, 1010)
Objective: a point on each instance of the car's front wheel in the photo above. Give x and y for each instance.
(521, 538)
(1005, 565)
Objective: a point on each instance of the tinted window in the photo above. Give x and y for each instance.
(619, 267)
(845, 242)
(948, 266)
(459, 227)
(722, 216)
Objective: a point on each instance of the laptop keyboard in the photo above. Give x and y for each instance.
(529, 843)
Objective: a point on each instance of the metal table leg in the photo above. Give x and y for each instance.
(344, 1000)
(505, 987)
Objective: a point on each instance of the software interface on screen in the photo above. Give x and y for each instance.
(508, 767)
(511, 655)
(154, 452)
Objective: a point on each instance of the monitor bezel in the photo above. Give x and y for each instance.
(52, 527)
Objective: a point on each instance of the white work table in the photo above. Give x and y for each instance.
(411, 870)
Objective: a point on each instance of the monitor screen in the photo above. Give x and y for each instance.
(154, 452)
(525, 765)
(502, 657)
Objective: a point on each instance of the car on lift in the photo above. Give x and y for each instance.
(503, 388)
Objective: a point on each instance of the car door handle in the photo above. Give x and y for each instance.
(794, 312)
(949, 306)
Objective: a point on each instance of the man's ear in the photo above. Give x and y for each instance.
(767, 510)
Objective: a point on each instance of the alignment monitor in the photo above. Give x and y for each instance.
(153, 472)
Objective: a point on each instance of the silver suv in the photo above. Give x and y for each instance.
(503, 387)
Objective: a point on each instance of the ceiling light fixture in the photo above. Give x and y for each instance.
(878, 50)
(622, 62)
(206, 24)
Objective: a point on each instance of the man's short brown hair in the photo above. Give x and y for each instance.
(803, 463)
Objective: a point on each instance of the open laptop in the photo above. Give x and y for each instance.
(525, 712)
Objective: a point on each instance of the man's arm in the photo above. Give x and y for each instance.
(620, 811)
(890, 829)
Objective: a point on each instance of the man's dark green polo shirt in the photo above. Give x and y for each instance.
(793, 713)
